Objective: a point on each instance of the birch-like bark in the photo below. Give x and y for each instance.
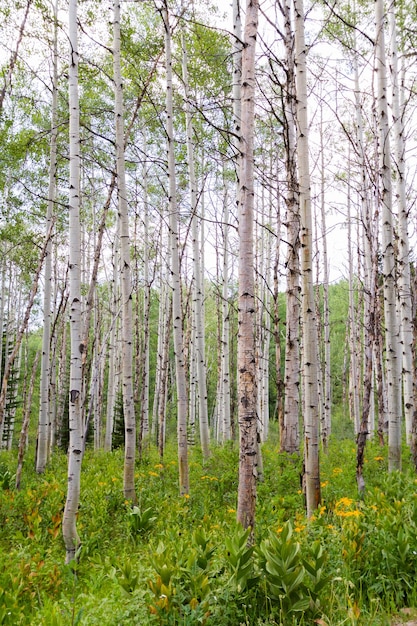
(392, 353)
(182, 403)
(197, 308)
(146, 318)
(290, 433)
(403, 258)
(44, 412)
(247, 396)
(113, 378)
(326, 421)
(352, 335)
(125, 270)
(76, 427)
(224, 413)
(309, 352)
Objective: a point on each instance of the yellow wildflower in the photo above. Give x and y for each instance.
(231, 510)
(324, 484)
(378, 458)
(186, 496)
(344, 502)
(337, 470)
(153, 473)
(158, 466)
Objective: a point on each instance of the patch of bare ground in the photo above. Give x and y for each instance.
(407, 617)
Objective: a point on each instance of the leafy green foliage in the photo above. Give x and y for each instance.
(7, 478)
(284, 571)
(141, 521)
(189, 563)
(239, 556)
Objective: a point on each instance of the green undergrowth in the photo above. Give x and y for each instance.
(185, 561)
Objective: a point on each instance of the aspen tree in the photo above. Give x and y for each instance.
(352, 335)
(247, 402)
(197, 308)
(182, 403)
(113, 377)
(76, 427)
(144, 434)
(44, 412)
(326, 421)
(125, 270)
(403, 255)
(309, 328)
(290, 434)
(225, 381)
(392, 356)
(226, 430)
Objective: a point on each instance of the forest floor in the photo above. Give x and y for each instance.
(194, 543)
(406, 614)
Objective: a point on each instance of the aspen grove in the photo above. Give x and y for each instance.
(208, 388)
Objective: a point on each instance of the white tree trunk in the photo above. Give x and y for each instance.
(309, 352)
(197, 308)
(76, 428)
(182, 403)
(146, 318)
(247, 404)
(125, 270)
(224, 413)
(290, 433)
(403, 259)
(44, 413)
(392, 353)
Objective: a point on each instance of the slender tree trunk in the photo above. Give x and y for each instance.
(76, 427)
(225, 427)
(125, 269)
(146, 320)
(392, 356)
(290, 434)
(309, 353)
(182, 403)
(198, 317)
(327, 400)
(25, 422)
(44, 413)
(403, 259)
(113, 378)
(247, 403)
